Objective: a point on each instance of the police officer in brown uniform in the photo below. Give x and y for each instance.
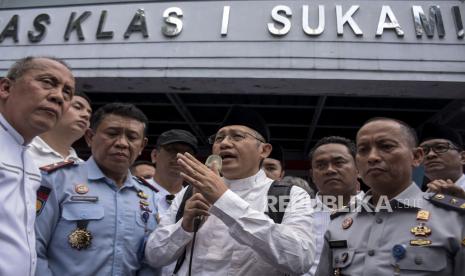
(397, 229)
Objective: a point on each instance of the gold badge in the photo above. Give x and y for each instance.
(420, 242)
(453, 201)
(423, 215)
(347, 223)
(142, 195)
(421, 230)
(80, 239)
(81, 189)
(462, 206)
(439, 196)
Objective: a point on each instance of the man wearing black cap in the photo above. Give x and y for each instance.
(167, 178)
(273, 165)
(236, 237)
(444, 159)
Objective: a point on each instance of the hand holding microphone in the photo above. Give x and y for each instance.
(213, 162)
(208, 187)
(206, 180)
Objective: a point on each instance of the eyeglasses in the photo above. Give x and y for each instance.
(235, 137)
(438, 148)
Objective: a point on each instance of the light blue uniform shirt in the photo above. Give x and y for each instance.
(115, 223)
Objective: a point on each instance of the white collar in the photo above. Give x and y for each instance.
(248, 182)
(44, 147)
(11, 130)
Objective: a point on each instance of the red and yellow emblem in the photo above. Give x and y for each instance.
(347, 223)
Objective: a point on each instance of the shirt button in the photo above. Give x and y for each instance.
(371, 252)
(379, 220)
(418, 260)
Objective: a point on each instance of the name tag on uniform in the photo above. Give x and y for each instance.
(85, 198)
(338, 244)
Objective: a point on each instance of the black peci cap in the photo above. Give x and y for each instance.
(244, 116)
(437, 131)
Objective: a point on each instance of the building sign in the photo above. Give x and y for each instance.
(241, 20)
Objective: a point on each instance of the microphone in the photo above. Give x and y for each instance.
(212, 159)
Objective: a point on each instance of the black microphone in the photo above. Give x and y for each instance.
(212, 159)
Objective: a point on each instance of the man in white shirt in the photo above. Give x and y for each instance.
(334, 173)
(55, 145)
(444, 159)
(167, 177)
(236, 237)
(34, 95)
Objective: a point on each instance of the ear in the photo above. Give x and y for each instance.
(266, 150)
(153, 155)
(5, 86)
(462, 157)
(358, 185)
(283, 172)
(144, 144)
(418, 155)
(89, 136)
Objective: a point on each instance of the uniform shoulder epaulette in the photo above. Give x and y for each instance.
(447, 202)
(338, 212)
(56, 166)
(146, 183)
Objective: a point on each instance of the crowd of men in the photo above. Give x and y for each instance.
(240, 215)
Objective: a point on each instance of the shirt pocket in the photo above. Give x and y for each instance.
(423, 258)
(82, 211)
(71, 213)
